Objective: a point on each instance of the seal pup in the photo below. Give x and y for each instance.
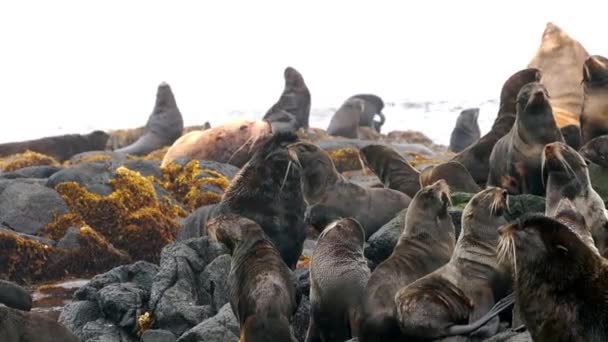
(261, 286)
(515, 162)
(164, 125)
(345, 122)
(467, 287)
(594, 113)
(338, 276)
(391, 168)
(596, 151)
(566, 176)
(294, 100)
(455, 174)
(322, 184)
(466, 132)
(373, 106)
(426, 243)
(268, 190)
(561, 281)
(560, 58)
(476, 157)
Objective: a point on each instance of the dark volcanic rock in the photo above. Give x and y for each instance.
(301, 319)
(145, 167)
(102, 330)
(43, 171)
(93, 176)
(302, 278)
(194, 225)
(511, 336)
(76, 315)
(158, 336)
(380, 245)
(122, 303)
(17, 326)
(222, 327)
(215, 280)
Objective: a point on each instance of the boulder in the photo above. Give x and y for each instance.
(93, 176)
(158, 336)
(102, 330)
(215, 281)
(42, 171)
(123, 303)
(222, 327)
(76, 315)
(380, 245)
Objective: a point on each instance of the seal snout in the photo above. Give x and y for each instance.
(441, 189)
(553, 151)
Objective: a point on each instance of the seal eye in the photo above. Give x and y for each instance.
(562, 248)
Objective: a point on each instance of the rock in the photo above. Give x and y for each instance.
(93, 176)
(114, 158)
(302, 278)
(28, 208)
(43, 171)
(158, 336)
(122, 303)
(76, 315)
(411, 137)
(599, 180)
(381, 243)
(102, 330)
(16, 326)
(222, 327)
(33, 238)
(145, 167)
(511, 336)
(522, 204)
(194, 225)
(215, 280)
(301, 319)
(15, 296)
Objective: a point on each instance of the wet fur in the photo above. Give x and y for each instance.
(391, 168)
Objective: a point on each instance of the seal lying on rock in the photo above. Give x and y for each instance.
(392, 169)
(322, 184)
(594, 115)
(60, 147)
(425, 244)
(262, 288)
(164, 125)
(338, 276)
(466, 132)
(15, 296)
(294, 101)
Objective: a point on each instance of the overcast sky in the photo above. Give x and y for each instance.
(78, 64)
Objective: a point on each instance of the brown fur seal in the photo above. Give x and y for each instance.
(566, 213)
(391, 168)
(560, 58)
(515, 162)
(15, 296)
(560, 281)
(372, 207)
(233, 143)
(345, 122)
(476, 157)
(467, 287)
(262, 288)
(566, 175)
(596, 151)
(455, 174)
(373, 106)
(466, 132)
(164, 125)
(21, 326)
(338, 276)
(268, 190)
(294, 100)
(594, 114)
(425, 244)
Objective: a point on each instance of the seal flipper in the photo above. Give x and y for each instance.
(499, 307)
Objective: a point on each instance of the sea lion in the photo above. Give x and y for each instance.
(392, 169)
(466, 132)
(455, 174)
(345, 122)
(22, 326)
(476, 157)
(294, 100)
(322, 184)
(566, 175)
(594, 113)
(566, 213)
(233, 143)
(268, 190)
(373, 106)
(560, 58)
(60, 147)
(596, 151)
(572, 136)
(515, 162)
(261, 286)
(164, 125)
(560, 281)
(15, 296)
(338, 276)
(466, 288)
(426, 243)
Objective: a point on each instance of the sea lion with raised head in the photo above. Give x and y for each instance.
(594, 113)
(596, 151)
(455, 174)
(164, 126)
(426, 243)
(373, 106)
(345, 121)
(467, 287)
(295, 100)
(515, 162)
(268, 190)
(466, 132)
(261, 286)
(476, 157)
(560, 281)
(338, 276)
(322, 184)
(391, 168)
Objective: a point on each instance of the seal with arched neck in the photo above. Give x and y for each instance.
(373, 106)
(560, 282)
(338, 276)
(261, 286)
(425, 244)
(466, 132)
(295, 100)
(467, 287)
(476, 157)
(391, 168)
(594, 115)
(455, 174)
(515, 162)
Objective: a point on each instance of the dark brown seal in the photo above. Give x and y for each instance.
(566, 213)
(515, 162)
(466, 131)
(322, 184)
(596, 151)
(345, 121)
(262, 288)
(15, 296)
(560, 282)
(338, 276)
(373, 106)
(566, 176)
(425, 244)
(21, 326)
(594, 115)
(476, 157)
(391, 168)
(294, 100)
(268, 190)
(467, 287)
(455, 174)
